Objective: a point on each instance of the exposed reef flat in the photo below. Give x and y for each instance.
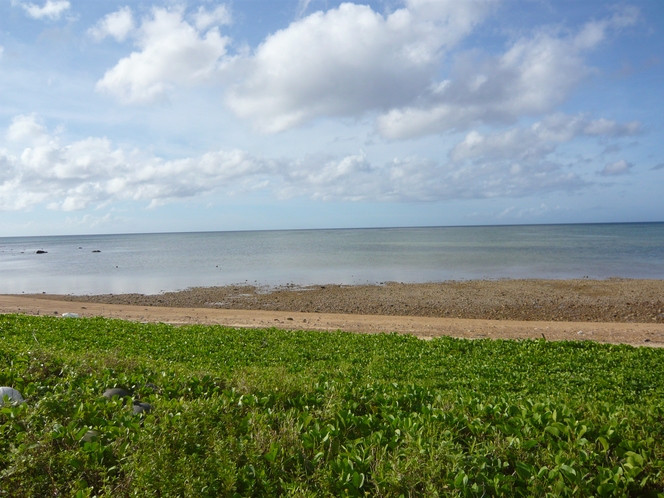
(582, 300)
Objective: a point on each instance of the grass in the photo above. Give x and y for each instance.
(241, 412)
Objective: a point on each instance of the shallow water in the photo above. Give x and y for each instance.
(152, 263)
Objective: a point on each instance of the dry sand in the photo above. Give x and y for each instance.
(611, 311)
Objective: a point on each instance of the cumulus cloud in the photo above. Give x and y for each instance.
(170, 51)
(93, 171)
(27, 129)
(617, 168)
(220, 16)
(535, 142)
(414, 179)
(351, 61)
(348, 60)
(52, 9)
(116, 24)
(532, 77)
(350, 178)
(520, 158)
(37, 169)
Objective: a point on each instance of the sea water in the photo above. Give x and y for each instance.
(153, 263)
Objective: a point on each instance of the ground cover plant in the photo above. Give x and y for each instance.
(239, 412)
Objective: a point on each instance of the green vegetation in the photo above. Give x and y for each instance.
(278, 413)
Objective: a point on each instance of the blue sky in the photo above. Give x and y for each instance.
(184, 116)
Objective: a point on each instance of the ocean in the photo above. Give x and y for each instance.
(154, 263)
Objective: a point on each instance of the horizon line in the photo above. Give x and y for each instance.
(414, 227)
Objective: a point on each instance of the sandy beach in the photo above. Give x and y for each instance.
(611, 311)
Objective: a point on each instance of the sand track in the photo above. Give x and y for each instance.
(641, 334)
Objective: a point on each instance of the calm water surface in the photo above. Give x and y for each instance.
(152, 263)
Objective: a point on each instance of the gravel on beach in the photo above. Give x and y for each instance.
(581, 300)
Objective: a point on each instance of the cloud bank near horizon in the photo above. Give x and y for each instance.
(39, 170)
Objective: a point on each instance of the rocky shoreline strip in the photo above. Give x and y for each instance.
(580, 300)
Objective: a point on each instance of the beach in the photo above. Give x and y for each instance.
(629, 311)
(611, 300)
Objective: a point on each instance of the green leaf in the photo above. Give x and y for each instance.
(524, 470)
(358, 480)
(460, 480)
(568, 472)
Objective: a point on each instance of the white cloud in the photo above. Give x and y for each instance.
(534, 143)
(116, 24)
(37, 169)
(352, 60)
(348, 60)
(532, 77)
(220, 16)
(350, 178)
(171, 51)
(594, 32)
(27, 128)
(302, 7)
(611, 128)
(513, 212)
(52, 9)
(414, 179)
(92, 172)
(90, 221)
(520, 158)
(617, 168)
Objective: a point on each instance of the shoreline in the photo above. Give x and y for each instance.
(575, 300)
(634, 334)
(615, 311)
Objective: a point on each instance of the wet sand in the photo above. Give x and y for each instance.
(613, 310)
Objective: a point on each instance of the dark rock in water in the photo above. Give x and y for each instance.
(90, 436)
(116, 391)
(142, 407)
(12, 394)
(40, 251)
(96, 250)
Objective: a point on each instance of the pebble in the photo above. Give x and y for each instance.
(141, 407)
(115, 391)
(138, 407)
(90, 436)
(14, 396)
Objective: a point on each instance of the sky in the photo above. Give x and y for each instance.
(169, 116)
